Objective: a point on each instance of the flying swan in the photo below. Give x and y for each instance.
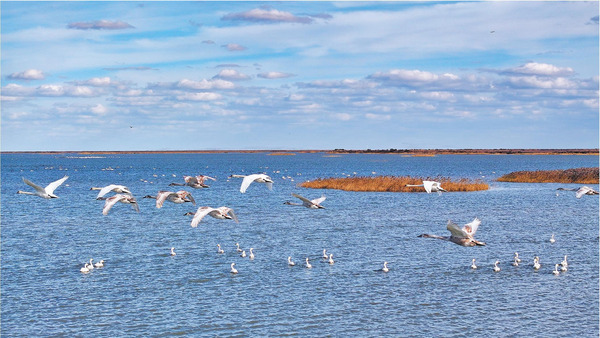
(258, 178)
(176, 197)
(47, 192)
(123, 198)
(460, 236)
(195, 182)
(119, 189)
(218, 213)
(429, 186)
(311, 204)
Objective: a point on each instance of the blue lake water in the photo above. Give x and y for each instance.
(429, 291)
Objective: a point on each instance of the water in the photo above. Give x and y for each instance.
(430, 289)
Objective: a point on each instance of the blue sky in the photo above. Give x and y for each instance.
(299, 75)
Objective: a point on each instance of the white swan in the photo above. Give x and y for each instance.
(99, 264)
(90, 264)
(555, 271)
(233, 270)
(585, 190)
(47, 192)
(461, 236)
(238, 247)
(385, 268)
(517, 259)
(173, 253)
(120, 189)
(331, 259)
(85, 269)
(218, 213)
(515, 263)
(564, 262)
(251, 256)
(259, 178)
(325, 254)
(536, 263)
(563, 268)
(496, 267)
(127, 199)
(219, 250)
(429, 186)
(290, 262)
(195, 182)
(311, 204)
(176, 197)
(552, 240)
(243, 253)
(473, 266)
(308, 265)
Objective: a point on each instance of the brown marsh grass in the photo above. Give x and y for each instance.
(392, 184)
(578, 175)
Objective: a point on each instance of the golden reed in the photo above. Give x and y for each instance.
(392, 184)
(578, 175)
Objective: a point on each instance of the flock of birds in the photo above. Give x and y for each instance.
(459, 235)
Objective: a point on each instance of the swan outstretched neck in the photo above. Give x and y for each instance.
(461, 236)
(259, 178)
(429, 186)
(47, 192)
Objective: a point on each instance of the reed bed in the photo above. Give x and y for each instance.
(392, 184)
(577, 175)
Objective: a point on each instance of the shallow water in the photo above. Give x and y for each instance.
(429, 290)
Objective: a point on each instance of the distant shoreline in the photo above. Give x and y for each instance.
(406, 152)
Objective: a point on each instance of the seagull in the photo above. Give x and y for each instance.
(120, 189)
(195, 182)
(308, 265)
(173, 252)
(176, 197)
(473, 266)
(496, 267)
(429, 186)
(218, 213)
(233, 270)
(555, 271)
(290, 263)
(99, 264)
(127, 199)
(460, 236)
(259, 178)
(47, 192)
(219, 250)
(311, 204)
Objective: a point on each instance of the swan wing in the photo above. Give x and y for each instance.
(270, 185)
(428, 185)
(200, 213)
(319, 200)
(246, 182)
(582, 191)
(202, 178)
(161, 197)
(134, 203)
(232, 214)
(52, 186)
(303, 199)
(456, 231)
(110, 202)
(190, 197)
(471, 228)
(34, 186)
(106, 190)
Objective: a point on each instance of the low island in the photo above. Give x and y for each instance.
(392, 184)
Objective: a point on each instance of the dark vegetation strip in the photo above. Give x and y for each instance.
(577, 175)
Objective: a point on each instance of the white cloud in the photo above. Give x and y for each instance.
(205, 84)
(234, 47)
(542, 83)
(100, 24)
(99, 109)
(541, 69)
(266, 15)
(30, 74)
(199, 97)
(232, 75)
(274, 75)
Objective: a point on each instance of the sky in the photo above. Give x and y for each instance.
(298, 75)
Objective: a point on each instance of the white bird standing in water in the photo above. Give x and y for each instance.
(47, 192)
(429, 186)
(311, 204)
(258, 178)
(473, 266)
(120, 189)
(218, 213)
